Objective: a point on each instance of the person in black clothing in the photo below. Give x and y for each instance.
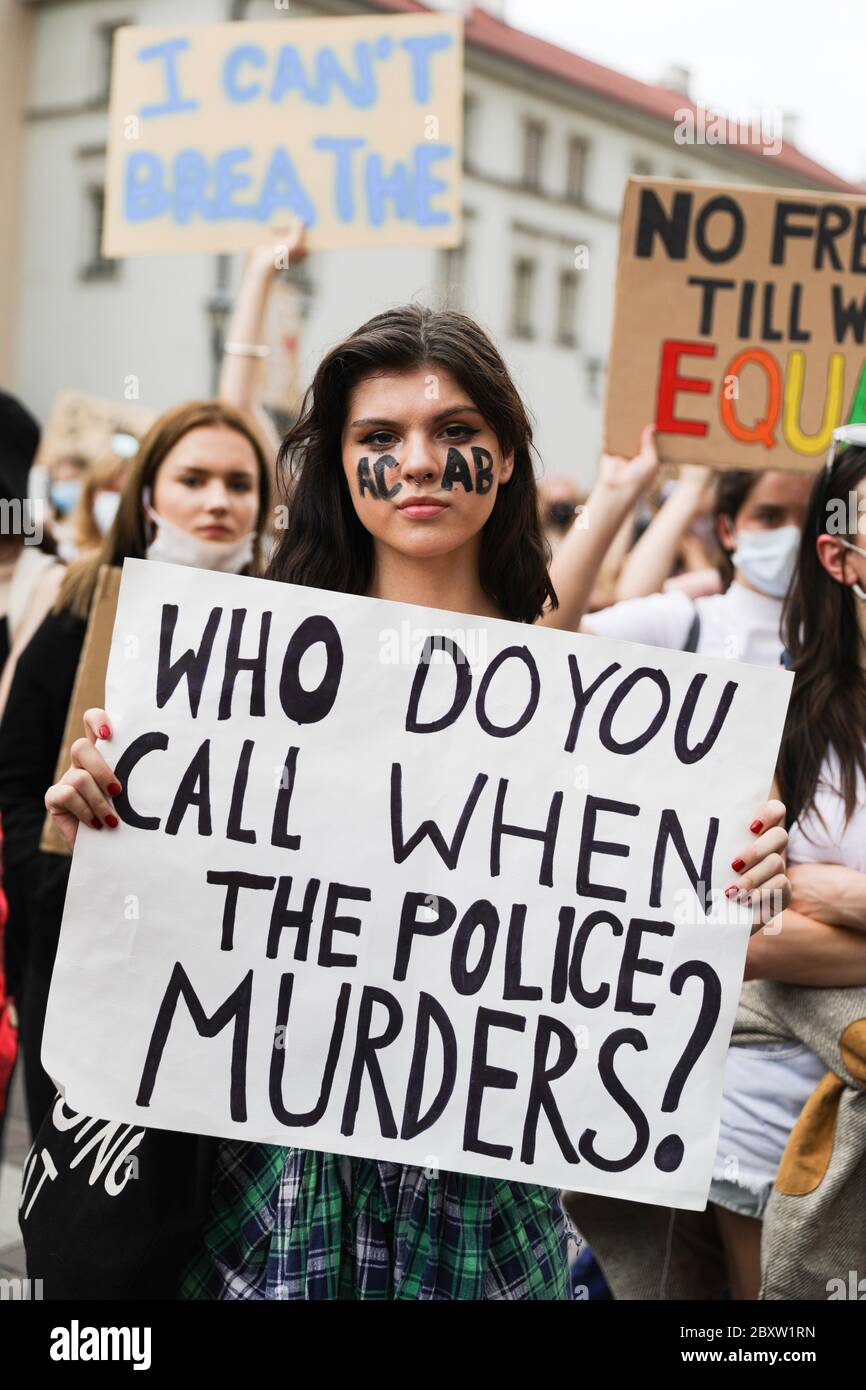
(19, 438)
(198, 494)
(24, 556)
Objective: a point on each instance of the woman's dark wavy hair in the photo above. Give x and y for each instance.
(819, 627)
(325, 545)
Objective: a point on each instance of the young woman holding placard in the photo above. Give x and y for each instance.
(412, 480)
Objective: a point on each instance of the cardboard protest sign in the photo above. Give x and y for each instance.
(88, 692)
(220, 134)
(83, 424)
(413, 885)
(739, 324)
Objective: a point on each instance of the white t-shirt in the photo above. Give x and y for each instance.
(740, 624)
(833, 842)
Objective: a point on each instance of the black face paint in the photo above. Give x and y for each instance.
(379, 469)
(364, 478)
(456, 470)
(483, 472)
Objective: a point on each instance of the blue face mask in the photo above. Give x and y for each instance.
(768, 558)
(63, 495)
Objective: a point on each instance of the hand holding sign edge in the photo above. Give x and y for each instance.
(83, 792)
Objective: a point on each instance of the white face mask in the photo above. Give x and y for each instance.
(861, 593)
(105, 504)
(767, 559)
(179, 547)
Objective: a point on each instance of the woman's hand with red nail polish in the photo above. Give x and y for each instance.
(83, 790)
(762, 866)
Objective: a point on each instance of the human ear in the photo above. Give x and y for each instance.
(725, 533)
(835, 560)
(506, 468)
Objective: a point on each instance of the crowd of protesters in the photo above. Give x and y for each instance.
(744, 566)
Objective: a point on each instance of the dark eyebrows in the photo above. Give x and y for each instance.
(441, 415)
(456, 410)
(232, 472)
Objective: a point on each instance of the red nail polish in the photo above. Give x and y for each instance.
(738, 865)
(732, 891)
(104, 731)
(756, 827)
(112, 821)
(113, 789)
(97, 824)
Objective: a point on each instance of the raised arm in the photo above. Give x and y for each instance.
(605, 591)
(576, 564)
(242, 374)
(652, 558)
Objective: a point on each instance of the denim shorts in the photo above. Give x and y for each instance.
(733, 1197)
(764, 1091)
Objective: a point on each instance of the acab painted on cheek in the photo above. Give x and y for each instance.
(372, 481)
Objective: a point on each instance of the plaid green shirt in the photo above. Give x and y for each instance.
(286, 1224)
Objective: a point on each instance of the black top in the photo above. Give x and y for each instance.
(127, 1235)
(31, 733)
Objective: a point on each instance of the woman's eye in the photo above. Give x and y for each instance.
(459, 431)
(191, 480)
(381, 439)
(241, 485)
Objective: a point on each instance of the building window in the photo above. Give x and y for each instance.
(575, 177)
(470, 131)
(524, 283)
(594, 377)
(96, 266)
(533, 153)
(641, 168)
(104, 50)
(566, 332)
(454, 276)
